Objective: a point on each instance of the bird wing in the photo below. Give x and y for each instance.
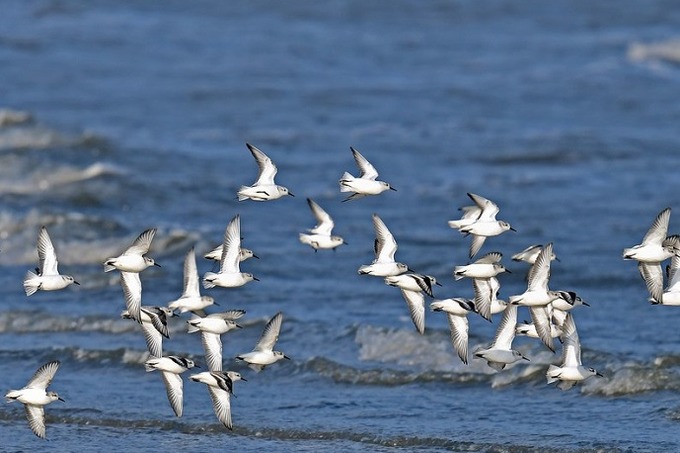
(488, 207)
(506, 329)
(324, 222)
(229, 314)
(539, 274)
(174, 387)
(483, 296)
(674, 275)
(154, 339)
(270, 334)
(212, 345)
(221, 400)
(36, 419)
(46, 254)
(490, 258)
(132, 291)
(191, 287)
(141, 245)
(541, 319)
(385, 245)
(459, 335)
(264, 163)
(367, 170)
(43, 376)
(571, 347)
(659, 229)
(229, 262)
(653, 276)
(416, 306)
(476, 244)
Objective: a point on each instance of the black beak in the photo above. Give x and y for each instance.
(238, 326)
(512, 229)
(286, 357)
(256, 279)
(196, 365)
(392, 188)
(255, 256)
(291, 194)
(156, 264)
(525, 358)
(598, 374)
(61, 399)
(75, 282)
(508, 271)
(437, 283)
(244, 379)
(585, 303)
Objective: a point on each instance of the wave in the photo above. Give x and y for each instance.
(9, 117)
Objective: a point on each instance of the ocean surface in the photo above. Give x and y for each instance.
(117, 116)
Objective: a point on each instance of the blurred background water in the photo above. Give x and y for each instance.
(119, 116)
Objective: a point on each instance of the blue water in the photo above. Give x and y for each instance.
(119, 116)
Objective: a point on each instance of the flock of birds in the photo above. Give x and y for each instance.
(550, 310)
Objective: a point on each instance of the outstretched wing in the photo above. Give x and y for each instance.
(367, 170)
(141, 245)
(229, 263)
(264, 163)
(270, 334)
(132, 291)
(324, 222)
(46, 254)
(659, 229)
(221, 400)
(191, 287)
(44, 375)
(385, 244)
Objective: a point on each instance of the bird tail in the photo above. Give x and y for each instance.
(149, 364)
(207, 280)
(241, 195)
(192, 328)
(345, 177)
(552, 374)
(458, 273)
(108, 267)
(31, 283)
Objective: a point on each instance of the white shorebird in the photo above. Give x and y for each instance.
(321, 237)
(221, 387)
(413, 282)
(35, 397)
(529, 254)
(134, 259)
(366, 183)
(486, 224)
(171, 367)
(538, 296)
(385, 247)
(486, 300)
(243, 254)
(191, 299)
(229, 275)
(263, 353)
(568, 300)
(47, 277)
(500, 352)
(550, 321)
(485, 267)
(456, 310)
(570, 370)
(211, 328)
(154, 325)
(264, 188)
(653, 248)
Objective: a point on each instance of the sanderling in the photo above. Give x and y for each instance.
(155, 326)
(134, 259)
(320, 236)
(544, 325)
(47, 277)
(571, 370)
(243, 254)
(191, 299)
(529, 254)
(263, 353)
(486, 300)
(457, 310)
(34, 396)
(171, 367)
(653, 249)
(486, 267)
(567, 301)
(486, 225)
(221, 387)
(230, 275)
(413, 282)
(211, 328)
(365, 184)
(385, 247)
(264, 188)
(500, 352)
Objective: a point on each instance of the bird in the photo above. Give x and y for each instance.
(413, 282)
(229, 275)
(264, 188)
(46, 277)
(486, 224)
(537, 295)
(155, 326)
(567, 301)
(366, 183)
(653, 248)
(35, 396)
(570, 371)
(134, 259)
(456, 309)
(487, 266)
(320, 236)
(499, 354)
(243, 254)
(191, 299)
(385, 246)
(529, 254)
(211, 328)
(263, 353)
(486, 299)
(671, 294)
(171, 367)
(221, 387)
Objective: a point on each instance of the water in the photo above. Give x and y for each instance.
(120, 116)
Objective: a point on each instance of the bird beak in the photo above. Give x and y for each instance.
(238, 326)
(255, 256)
(61, 399)
(244, 379)
(174, 315)
(557, 259)
(291, 194)
(585, 303)
(526, 358)
(196, 365)
(256, 279)
(512, 229)
(75, 282)
(392, 188)
(437, 283)
(156, 264)
(598, 374)
(508, 271)
(286, 357)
